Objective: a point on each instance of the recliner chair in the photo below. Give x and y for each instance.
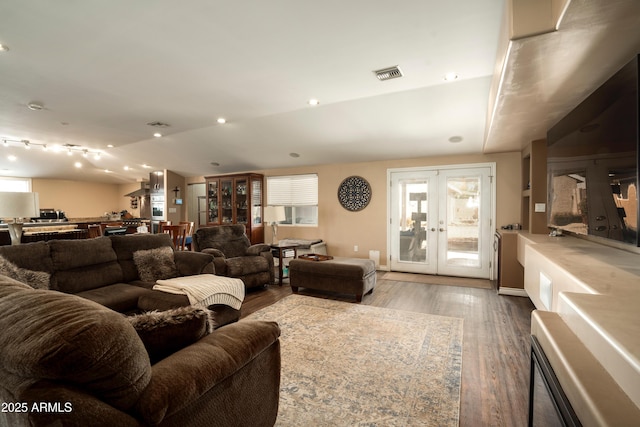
(234, 256)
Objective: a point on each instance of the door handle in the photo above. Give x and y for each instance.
(442, 229)
(433, 229)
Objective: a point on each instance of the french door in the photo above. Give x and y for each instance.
(441, 221)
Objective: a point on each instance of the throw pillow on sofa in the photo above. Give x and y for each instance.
(155, 264)
(35, 279)
(165, 332)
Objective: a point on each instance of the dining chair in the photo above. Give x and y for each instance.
(189, 235)
(95, 230)
(178, 235)
(162, 224)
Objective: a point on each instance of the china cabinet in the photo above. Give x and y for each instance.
(236, 199)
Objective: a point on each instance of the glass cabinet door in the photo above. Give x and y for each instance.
(242, 207)
(226, 200)
(256, 202)
(213, 208)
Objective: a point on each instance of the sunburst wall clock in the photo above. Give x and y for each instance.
(354, 193)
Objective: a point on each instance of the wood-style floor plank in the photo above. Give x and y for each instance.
(495, 358)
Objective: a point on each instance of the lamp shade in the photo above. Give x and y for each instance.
(19, 205)
(274, 214)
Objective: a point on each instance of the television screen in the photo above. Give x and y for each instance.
(592, 162)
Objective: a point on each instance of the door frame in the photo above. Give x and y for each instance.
(488, 245)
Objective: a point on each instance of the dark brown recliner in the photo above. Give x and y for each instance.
(234, 256)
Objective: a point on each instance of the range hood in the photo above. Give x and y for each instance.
(143, 191)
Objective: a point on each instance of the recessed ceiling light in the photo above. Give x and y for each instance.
(110, 145)
(4, 48)
(313, 101)
(77, 164)
(449, 77)
(126, 168)
(157, 135)
(12, 158)
(35, 106)
(222, 120)
(455, 139)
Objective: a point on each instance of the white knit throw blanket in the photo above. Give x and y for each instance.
(205, 289)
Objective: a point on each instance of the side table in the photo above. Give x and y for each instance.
(280, 252)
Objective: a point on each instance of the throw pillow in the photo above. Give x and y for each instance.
(165, 332)
(35, 279)
(155, 264)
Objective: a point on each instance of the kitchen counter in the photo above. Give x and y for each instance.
(595, 289)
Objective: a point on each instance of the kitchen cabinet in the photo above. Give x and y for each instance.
(236, 199)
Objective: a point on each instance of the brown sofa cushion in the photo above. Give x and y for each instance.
(125, 246)
(32, 256)
(165, 332)
(35, 279)
(54, 336)
(155, 264)
(84, 264)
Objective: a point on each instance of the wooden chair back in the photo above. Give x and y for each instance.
(163, 224)
(178, 234)
(189, 239)
(95, 230)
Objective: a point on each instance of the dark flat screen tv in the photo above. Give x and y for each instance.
(592, 162)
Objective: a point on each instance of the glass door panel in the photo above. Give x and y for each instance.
(214, 205)
(412, 248)
(464, 222)
(226, 201)
(242, 206)
(256, 202)
(463, 231)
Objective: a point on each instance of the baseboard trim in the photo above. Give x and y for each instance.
(514, 292)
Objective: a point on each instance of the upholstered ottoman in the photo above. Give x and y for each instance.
(344, 275)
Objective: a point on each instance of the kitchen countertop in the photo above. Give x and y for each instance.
(605, 314)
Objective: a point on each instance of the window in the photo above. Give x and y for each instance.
(299, 196)
(21, 185)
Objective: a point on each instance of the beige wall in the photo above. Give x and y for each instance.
(175, 213)
(342, 229)
(80, 199)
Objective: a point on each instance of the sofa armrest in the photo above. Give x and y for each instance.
(191, 263)
(217, 253)
(177, 384)
(258, 248)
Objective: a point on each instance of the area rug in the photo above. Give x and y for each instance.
(346, 364)
(438, 280)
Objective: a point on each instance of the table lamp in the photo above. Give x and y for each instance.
(273, 215)
(18, 206)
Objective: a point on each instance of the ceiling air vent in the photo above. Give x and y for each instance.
(388, 73)
(158, 125)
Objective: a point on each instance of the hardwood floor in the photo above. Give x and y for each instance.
(495, 358)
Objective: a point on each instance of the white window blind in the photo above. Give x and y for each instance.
(292, 190)
(15, 184)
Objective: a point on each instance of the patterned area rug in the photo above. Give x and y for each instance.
(346, 364)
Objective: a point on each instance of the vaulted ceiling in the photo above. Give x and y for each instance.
(102, 71)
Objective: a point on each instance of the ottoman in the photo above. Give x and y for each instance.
(344, 275)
